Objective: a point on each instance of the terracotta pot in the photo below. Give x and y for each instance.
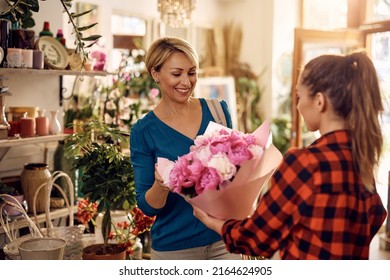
(95, 252)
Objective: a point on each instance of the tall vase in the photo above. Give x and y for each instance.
(32, 177)
(55, 126)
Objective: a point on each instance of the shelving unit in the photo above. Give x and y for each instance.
(40, 218)
(6, 144)
(24, 71)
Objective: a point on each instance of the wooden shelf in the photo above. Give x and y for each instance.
(22, 71)
(31, 140)
(54, 214)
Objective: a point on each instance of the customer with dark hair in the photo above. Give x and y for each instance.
(322, 202)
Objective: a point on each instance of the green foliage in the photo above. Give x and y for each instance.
(281, 134)
(248, 97)
(21, 12)
(6, 189)
(131, 93)
(80, 40)
(108, 176)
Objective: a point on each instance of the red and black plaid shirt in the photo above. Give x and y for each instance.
(316, 208)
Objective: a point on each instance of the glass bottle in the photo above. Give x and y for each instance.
(60, 37)
(46, 30)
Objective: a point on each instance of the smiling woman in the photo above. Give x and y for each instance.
(168, 131)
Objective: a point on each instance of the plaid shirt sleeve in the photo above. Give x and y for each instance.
(311, 211)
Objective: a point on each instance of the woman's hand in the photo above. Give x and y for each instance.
(209, 221)
(157, 195)
(159, 180)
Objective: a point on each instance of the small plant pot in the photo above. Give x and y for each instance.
(95, 252)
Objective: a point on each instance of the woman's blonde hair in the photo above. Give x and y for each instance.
(162, 48)
(351, 84)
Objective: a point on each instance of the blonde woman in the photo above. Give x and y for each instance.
(168, 131)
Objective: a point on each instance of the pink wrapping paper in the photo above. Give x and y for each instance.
(238, 200)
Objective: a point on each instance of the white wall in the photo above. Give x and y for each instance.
(267, 33)
(267, 25)
(255, 18)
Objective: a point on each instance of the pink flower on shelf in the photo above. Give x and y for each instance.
(224, 171)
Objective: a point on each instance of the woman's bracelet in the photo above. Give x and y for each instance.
(163, 186)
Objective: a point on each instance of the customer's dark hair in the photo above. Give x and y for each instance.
(351, 84)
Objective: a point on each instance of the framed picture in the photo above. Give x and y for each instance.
(222, 88)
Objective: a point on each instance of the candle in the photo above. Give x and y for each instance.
(27, 126)
(27, 58)
(14, 57)
(38, 59)
(42, 123)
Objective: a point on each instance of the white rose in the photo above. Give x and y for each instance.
(223, 165)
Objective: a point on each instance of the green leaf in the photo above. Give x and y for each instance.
(74, 15)
(83, 28)
(28, 23)
(91, 38)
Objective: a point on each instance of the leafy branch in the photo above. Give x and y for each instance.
(78, 30)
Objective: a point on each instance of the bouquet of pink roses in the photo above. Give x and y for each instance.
(224, 171)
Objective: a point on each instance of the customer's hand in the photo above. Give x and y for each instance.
(209, 221)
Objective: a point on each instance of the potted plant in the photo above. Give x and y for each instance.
(125, 232)
(108, 177)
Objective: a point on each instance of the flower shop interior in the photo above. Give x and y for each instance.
(250, 52)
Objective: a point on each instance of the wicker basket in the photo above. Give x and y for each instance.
(72, 234)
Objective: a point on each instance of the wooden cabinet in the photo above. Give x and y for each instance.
(37, 85)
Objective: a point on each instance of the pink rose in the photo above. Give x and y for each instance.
(209, 181)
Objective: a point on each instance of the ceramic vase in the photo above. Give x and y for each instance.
(55, 126)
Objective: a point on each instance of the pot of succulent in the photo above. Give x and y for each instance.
(107, 175)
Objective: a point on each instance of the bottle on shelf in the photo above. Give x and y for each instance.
(60, 37)
(46, 30)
